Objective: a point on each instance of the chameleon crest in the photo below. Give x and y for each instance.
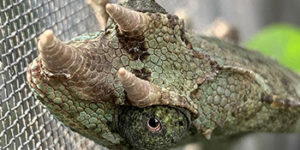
(146, 83)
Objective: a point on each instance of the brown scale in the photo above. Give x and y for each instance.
(134, 46)
(275, 101)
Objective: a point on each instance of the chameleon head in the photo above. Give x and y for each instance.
(100, 94)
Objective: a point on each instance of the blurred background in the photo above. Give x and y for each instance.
(270, 26)
(249, 16)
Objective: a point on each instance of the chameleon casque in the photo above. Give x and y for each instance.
(147, 83)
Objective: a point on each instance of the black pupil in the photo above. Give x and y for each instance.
(153, 122)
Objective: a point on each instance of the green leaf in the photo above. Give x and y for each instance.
(281, 42)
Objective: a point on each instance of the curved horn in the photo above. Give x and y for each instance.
(56, 56)
(100, 12)
(128, 20)
(140, 92)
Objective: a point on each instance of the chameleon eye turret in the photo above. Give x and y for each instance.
(154, 127)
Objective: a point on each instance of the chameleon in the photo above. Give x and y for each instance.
(145, 82)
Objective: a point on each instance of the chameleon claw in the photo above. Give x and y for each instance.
(128, 20)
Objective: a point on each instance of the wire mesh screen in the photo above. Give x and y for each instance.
(24, 123)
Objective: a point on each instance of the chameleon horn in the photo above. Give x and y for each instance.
(100, 12)
(140, 92)
(128, 20)
(56, 56)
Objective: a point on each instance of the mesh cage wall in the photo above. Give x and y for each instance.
(24, 122)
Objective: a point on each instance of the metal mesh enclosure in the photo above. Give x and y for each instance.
(24, 123)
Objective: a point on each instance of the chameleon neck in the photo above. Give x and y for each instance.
(240, 96)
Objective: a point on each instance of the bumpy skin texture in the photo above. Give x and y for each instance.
(133, 122)
(219, 89)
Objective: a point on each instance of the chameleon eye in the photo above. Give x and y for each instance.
(155, 127)
(153, 124)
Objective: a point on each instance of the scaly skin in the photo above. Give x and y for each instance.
(206, 87)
